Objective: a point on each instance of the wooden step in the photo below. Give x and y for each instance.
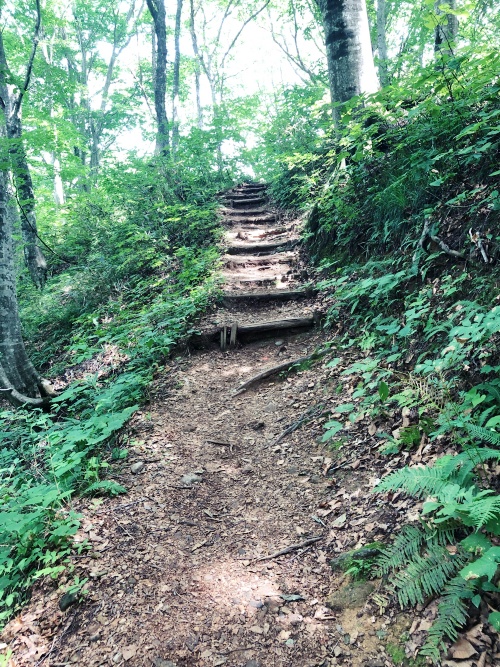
(230, 299)
(239, 212)
(257, 220)
(259, 248)
(247, 201)
(254, 331)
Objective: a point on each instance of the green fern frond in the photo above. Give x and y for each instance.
(426, 575)
(452, 615)
(405, 547)
(105, 487)
(484, 509)
(421, 481)
(481, 433)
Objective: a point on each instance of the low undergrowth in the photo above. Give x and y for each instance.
(403, 204)
(142, 258)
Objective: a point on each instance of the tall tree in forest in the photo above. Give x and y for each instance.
(176, 78)
(382, 42)
(11, 99)
(197, 68)
(19, 381)
(447, 27)
(351, 70)
(158, 14)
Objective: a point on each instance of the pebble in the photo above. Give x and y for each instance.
(136, 468)
(278, 342)
(67, 600)
(190, 478)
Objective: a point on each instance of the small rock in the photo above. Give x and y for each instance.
(136, 468)
(257, 425)
(278, 342)
(117, 657)
(290, 642)
(190, 478)
(257, 604)
(67, 600)
(350, 596)
(192, 642)
(315, 479)
(252, 663)
(247, 470)
(337, 651)
(375, 662)
(160, 662)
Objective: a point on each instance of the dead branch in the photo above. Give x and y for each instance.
(317, 354)
(288, 550)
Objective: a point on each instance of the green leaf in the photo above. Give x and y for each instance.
(333, 428)
(476, 543)
(383, 391)
(486, 566)
(494, 620)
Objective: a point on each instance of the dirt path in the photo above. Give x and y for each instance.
(184, 570)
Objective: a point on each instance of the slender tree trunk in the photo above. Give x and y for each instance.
(197, 70)
(446, 32)
(351, 70)
(157, 10)
(176, 79)
(382, 42)
(35, 261)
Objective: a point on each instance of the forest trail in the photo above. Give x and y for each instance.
(186, 569)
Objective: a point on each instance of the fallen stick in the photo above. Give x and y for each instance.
(217, 442)
(288, 550)
(317, 354)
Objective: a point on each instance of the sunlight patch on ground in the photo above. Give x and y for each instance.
(229, 584)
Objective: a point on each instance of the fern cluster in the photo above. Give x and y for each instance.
(459, 513)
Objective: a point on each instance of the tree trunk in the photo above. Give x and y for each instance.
(157, 10)
(446, 32)
(19, 381)
(33, 256)
(176, 79)
(382, 42)
(351, 70)
(197, 71)
(35, 261)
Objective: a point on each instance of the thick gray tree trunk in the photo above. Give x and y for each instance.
(157, 10)
(351, 70)
(19, 381)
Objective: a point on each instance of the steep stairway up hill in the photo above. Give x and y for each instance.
(264, 291)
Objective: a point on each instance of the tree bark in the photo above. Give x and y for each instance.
(157, 10)
(196, 51)
(351, 70)
(19, 381)
(176, 79)
(11, 104)
(382, 42)
(446, 32)
(33, 256)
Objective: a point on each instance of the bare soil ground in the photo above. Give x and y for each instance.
(186, 570)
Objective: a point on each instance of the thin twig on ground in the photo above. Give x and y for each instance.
(287, 550)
